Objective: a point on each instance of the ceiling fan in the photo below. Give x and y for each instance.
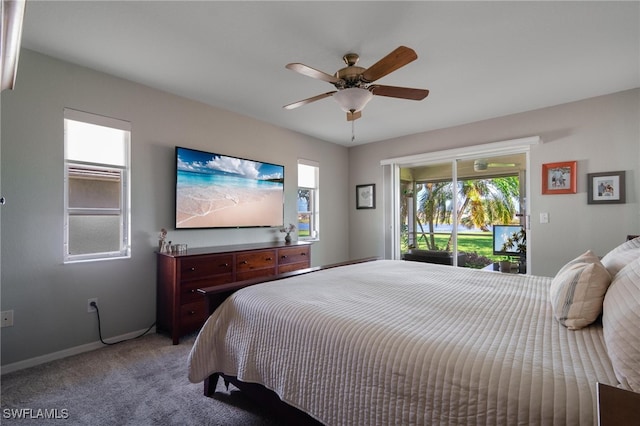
(352, 82)
(482, 164)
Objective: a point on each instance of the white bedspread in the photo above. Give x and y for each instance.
(408, 343)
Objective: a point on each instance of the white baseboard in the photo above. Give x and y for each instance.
(32, 362)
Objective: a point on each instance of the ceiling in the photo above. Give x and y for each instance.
(478, 59)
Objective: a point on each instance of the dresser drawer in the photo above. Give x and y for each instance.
(255, 260)
(288, 267)
(201, 266)
(293, 255)
(255, 273)
(193, 315)
(189, 289)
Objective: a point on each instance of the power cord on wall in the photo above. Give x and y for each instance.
(95, 305)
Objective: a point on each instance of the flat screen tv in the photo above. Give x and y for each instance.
(501, 234)
(220, 191)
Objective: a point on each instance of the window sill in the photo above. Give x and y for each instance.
(94, 259)
(309, 239)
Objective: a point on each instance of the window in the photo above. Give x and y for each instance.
(96, 190)
(308, 226)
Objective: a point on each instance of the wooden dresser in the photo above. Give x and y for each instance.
(181, 309)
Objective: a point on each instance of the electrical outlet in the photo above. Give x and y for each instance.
(7, 318)
(89, 307)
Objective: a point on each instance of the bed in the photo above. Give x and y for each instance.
(397, 342)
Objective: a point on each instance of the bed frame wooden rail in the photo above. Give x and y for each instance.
(267, 399)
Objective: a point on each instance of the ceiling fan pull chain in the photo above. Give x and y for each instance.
(353, 130)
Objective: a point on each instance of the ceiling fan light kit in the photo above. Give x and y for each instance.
(352, 99)
(353, 82)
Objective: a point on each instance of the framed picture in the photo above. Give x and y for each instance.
(606, 188)
(559, 178)
(366, 196)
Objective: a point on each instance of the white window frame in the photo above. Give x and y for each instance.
(314, 202)
(124, 211)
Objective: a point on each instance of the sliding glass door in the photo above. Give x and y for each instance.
(464, 211)
(428, 213)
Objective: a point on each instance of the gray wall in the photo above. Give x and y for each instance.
(602, 134)
(49, 298)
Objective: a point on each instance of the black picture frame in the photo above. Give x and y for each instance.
(606, 188)
(366, 196)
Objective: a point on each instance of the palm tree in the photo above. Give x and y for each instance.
(487, 201)
(432, 207)
(481, 202)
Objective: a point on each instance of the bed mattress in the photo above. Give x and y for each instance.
(395, 342)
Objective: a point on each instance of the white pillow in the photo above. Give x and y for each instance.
(577, 291)
(620, 256)
(621, 325)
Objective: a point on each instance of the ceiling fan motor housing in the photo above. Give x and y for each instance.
(480, 165)
(350, 76)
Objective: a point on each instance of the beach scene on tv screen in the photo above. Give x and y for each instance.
(215, 190)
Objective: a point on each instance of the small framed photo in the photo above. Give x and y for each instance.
(606, 188)
(559, 178)
(366, 196)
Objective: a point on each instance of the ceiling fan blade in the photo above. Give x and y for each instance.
(309, 100)
(394, 60)
(312, 72)
(353, 116)
(399, 92)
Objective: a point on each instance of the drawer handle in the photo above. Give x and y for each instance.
(192, 312)
(269, 258)
(193, 268)
(244, 262)
(193, 290)
(304, 253)
(224, 265)
(284, 256)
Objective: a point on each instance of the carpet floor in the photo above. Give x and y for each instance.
(138, 382)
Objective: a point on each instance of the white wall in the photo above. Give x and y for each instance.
(602, 134)
(48, 298)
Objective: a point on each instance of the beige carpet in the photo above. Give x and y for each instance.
(139, 382)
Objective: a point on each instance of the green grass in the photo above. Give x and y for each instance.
(480, 243)
(303, 232)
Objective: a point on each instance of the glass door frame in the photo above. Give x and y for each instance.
(392, 190)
